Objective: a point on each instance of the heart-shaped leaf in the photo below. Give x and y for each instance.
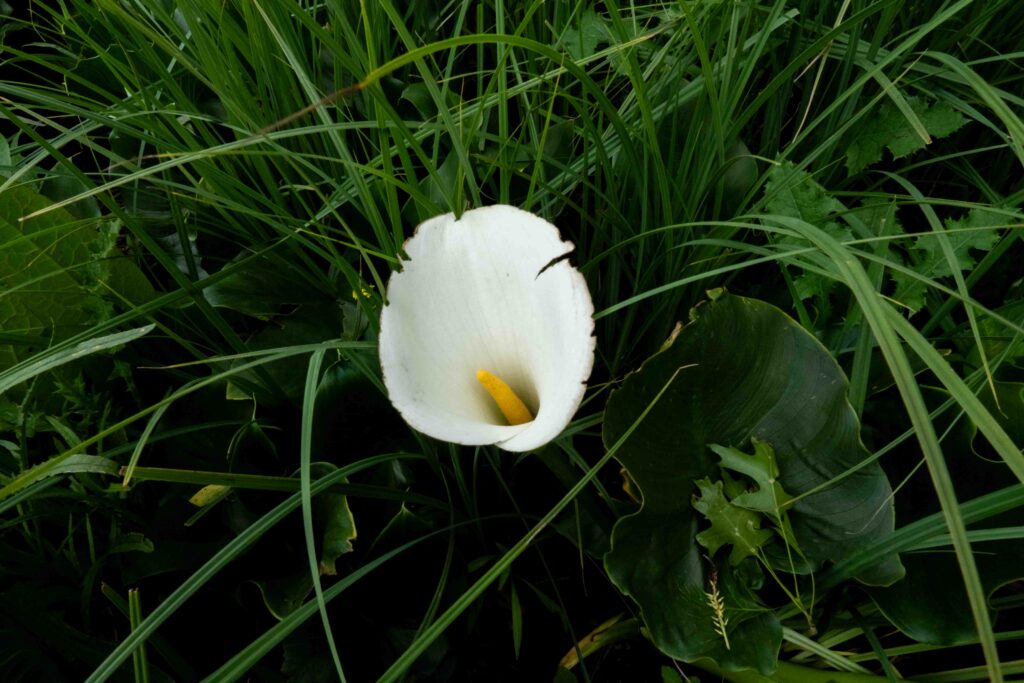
(744, 372)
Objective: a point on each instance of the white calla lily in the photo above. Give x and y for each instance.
(487, 336)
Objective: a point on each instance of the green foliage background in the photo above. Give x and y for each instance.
(201, 202)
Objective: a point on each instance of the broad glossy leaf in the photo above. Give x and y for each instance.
(931, 605)
(739, 174)
(1009, 411)
(354, 416)
(48, 268)
(743, 370)
(284, 596)
(306, 658)
(61, 184)
(262, 286)
(438, 186)
(308, 324)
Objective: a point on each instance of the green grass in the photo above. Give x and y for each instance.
(201, 203)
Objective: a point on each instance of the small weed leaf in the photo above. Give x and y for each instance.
(769, 496)
(730, 524)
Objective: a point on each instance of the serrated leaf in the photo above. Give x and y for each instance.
(888, 127)
(581, 41)
(11, 414)
(977, 231)
(730, 525)
(910, 291)
(94, 464)
(75, 463)
(769, 496)
(794, 193)
(45, 363)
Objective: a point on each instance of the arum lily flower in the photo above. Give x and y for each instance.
(487, 337)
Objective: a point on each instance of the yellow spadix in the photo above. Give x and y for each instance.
(510, 405)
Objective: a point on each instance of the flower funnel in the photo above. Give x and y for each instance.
(487, 337)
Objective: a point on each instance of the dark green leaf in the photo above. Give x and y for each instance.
(284, 596)
(131, 542)
(745, 371)
(353, 415)
(49, 266)
(1010, 409)
(739, 174)
(127, 281)
(308, 325)
(670, 675)
(339, 532)
(61, 184)
(261, 286)
(931, 605)
(334, 518)
(306, 659)
(6, 165)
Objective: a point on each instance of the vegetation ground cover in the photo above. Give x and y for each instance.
(798, 457)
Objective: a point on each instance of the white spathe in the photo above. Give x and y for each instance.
(482, 293)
